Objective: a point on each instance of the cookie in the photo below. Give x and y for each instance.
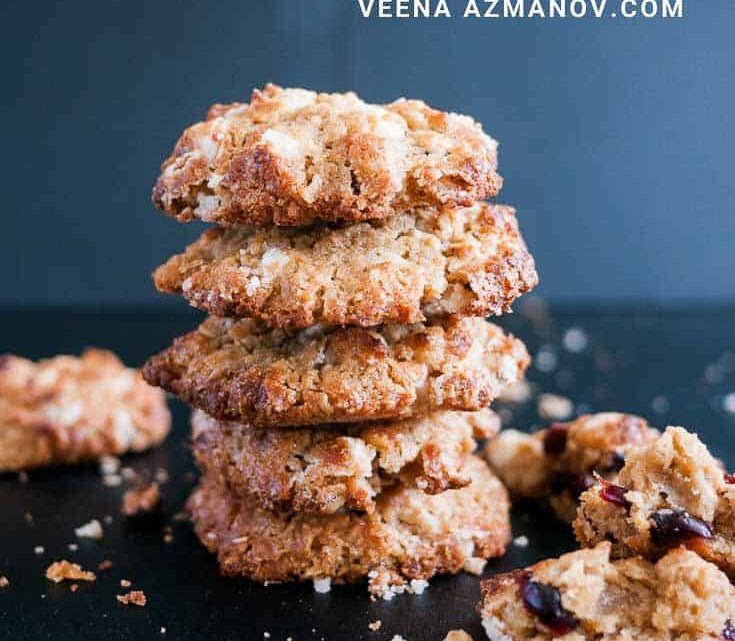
(558, 463)
(671, 492)
(583, 595)
(292, 157)
(242, 371)
(409, 537)
(67, 409)
(323, 470)
(463, 260)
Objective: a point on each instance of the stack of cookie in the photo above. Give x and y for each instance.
(347, 366)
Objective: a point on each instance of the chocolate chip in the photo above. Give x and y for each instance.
(544, 601)
(555, 439)
(673, 527)
(729, 632)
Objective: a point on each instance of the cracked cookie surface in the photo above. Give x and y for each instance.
(330, 468)
(68, 409)
(558, 463)
(243, 371)
(293, 156)
(410, 536)
(669, 493)
(462, 260)
(583, 595)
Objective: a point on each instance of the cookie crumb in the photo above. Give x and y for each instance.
(475, 565)
(104, 565)
(74, 587)
(555, 408)
(163, 630)
(60, 571)
(112, 480)
(124, 583)
(4, 582)
(28, 518)
(141, 500)
(521, 541)
(517, 393)
(457, 635)
(39, 549)
(109, 465)
(322, 586)
(91, 530)
(397, 637)
(73, 547)
(168, 537)
(136, 597)
(375, 625)
(546, 359)
(23, 476)
(161, 475)
(266, 635)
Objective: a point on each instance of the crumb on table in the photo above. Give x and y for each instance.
(62, 570)
(135, 597)
(141, 500)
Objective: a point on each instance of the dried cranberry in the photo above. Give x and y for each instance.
(729, 631)
(615, 463)
(730, 479)
(673, 527)
(614, 494)
(544, 601)
(555, 439)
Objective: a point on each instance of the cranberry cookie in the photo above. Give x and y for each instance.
(558, 463)
(584, 596)
(671, 492)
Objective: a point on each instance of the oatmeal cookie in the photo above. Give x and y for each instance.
(411, 535)
(323, 470)
(243, 371)
(669, 493)
(292, 156)
(583, 595)
(558, 463)
(68, 409)
(465, 260)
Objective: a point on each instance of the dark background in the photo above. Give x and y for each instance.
(617, 135)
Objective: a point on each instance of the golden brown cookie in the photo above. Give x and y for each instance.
(323, 470)
(67, 409)
(558, 463)
(584, 596)
(671, 492)
(292, 156)
(242, 371)
(411, 535)
(464, 260)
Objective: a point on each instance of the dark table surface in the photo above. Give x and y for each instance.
(674, 367)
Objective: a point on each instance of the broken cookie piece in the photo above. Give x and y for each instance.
(558, 463)
(584, 596)
(672, 492)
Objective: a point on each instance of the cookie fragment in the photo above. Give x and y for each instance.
(556, 464)
(243, 371)
(461, 260)
(410, 536)
(292, 156)
(323, 470)
(674, 493)
(63, 570)
(68, 409)
(583, 594)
